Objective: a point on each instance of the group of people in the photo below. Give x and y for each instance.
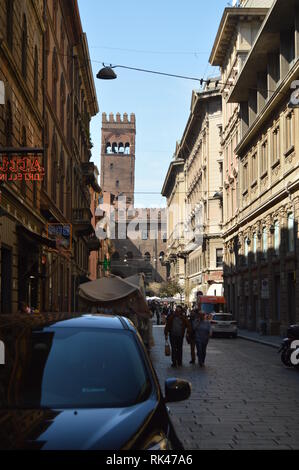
(198, 332)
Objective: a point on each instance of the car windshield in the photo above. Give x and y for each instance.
(212, 307)
(222, 317)
(76, 368)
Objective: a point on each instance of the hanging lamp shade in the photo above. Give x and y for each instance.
(106, 73)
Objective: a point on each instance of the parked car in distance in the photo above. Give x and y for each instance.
(82, 383)
(223, 324)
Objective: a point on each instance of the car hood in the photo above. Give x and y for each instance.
(81, 429)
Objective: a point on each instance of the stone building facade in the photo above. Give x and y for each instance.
(174, 192)
(50, 98)
(193, 187)
(203, 173)
(261, 240)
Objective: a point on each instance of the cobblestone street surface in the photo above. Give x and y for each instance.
(243, 399)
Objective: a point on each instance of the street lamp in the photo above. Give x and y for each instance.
(107, 73)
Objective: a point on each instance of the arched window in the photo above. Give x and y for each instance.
(47, 50)
(69, 191)
(55, 8)
(115, 256)
(8, 125)
(35, 89)
(108, 148)
(121, 148)
(54, 79)
(9, 22)
(147, 257)
(70, 65)
(46, 150)
(276, 237)
(61, 181)
(265, 242)
(23, 144)
(24, 46)
(62, 37)
(54, 168)
(62, 101)
(69, 120)
(127, 148)
(114, 147)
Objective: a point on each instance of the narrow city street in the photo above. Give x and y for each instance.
(243, 399)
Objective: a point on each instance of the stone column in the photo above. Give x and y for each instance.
(284, 54)
(262, 91)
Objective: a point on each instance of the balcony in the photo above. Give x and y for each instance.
(88, 171)
(93, 243)
(82, 221)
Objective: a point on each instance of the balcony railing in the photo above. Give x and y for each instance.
(82, 221)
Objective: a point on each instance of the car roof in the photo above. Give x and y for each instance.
(223, 313)
(73, 320)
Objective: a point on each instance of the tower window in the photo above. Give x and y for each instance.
(117, 183)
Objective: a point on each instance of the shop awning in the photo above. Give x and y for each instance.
(33, 237)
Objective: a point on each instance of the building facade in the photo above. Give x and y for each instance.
(203, 176)
(50, 99)
(261, 239)
(174, 192)
(193, 188)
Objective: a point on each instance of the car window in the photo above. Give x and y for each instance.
(77, 368)
(222, 317)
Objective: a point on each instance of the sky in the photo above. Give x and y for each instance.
(172, 36)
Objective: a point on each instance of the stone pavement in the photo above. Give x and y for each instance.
(273, 341)
(243, 399)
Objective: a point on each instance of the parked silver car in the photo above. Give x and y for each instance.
(223, 323)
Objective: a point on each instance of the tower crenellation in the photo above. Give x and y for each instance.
(118, 118)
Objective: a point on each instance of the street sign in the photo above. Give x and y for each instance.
(61, 234)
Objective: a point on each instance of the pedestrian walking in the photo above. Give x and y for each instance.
(157, 307)
(191, 335)
(202, 329)
(176, 326)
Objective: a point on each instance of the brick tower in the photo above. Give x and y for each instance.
(118, 155)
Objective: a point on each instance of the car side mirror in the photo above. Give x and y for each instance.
(177, 390)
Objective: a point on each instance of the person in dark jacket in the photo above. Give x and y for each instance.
(176, 326)
(202, 330)
(191, 336)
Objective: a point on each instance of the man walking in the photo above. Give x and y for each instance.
(176, 325)
(202, 330)
(191, 335)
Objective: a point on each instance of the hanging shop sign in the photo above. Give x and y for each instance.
(61, 234)
(16, 168)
